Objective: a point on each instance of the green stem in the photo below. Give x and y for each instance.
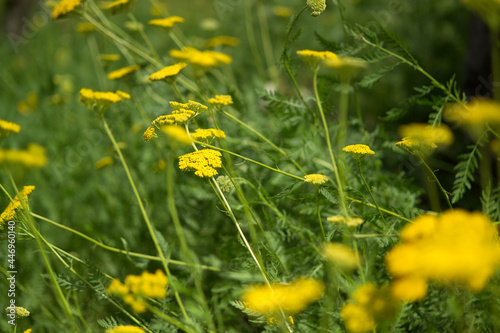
(342, 20)
(266, 42)
(360, 236)
(382, 209)
(329, 145)
(144, 214)
(370, 191)
(343, 115)
(319, 215)
(251, 39)
(169, 319)
(177, 92)
(445, 194)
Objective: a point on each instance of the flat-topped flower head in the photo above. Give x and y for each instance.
(190, 105)
(123, 72)
(358, 151)
(125, 329)
(351, 222)
(221, 100)
(8, 128)
(118, 6)
(475, 115)
(179, 118)
(208, 135)
(101, 100)
(221, 41)
(202, 162)
(33, 157)
(314, 59)
(15, 206)
(20, 312)
(64, 7)
(421, 139)
(201, 60)
(169, 73)
(289, 298)
(167, 22)
(341, 255)
(347, 68)
(317, 6)
(455, 247)
(177, 134)
(315, 179)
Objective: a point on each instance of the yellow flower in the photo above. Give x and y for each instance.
(421, 139)
(317, 6)
(109, 57)
(189, 106)
(125, 329)
(346, 67)
(20, 312)
(409, 289)
(122, 72)
(7, 128)
(168, 73)
(208, 135)
(454, 247)
(117, 288)
(203, 162)
(221, 100)
(315, 179)
(101, 100)
(201, 59)
(28, 330)
(118, 6)
(84, 27)
(341, 255)
(103, 162)
(357, 319)
(150, 134)
(282, 11)
(314, 59)
(29, 104)
(168, 22)
(291, 298)
(177, 133)
(64, 7)
(358, 151)
(475, 113)
(221, 40)
(33, 157)
(15, 206)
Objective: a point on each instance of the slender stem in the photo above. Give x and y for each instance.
(382, 209)
(329, 145)
(373, 236)
(342, 20)
(445, 194)
(144, 37)
(251, 39)
(343, 115)
(144, 214)
(370, 191)
(169, 319)
(266, 42)
(319, 215)
(177, 92)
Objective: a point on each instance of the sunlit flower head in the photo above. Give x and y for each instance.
(456, 247)
(475, 115)
(123, 72)
(103, 162)
(291, 298)
(177, 134)
(167, 22)
(64, 7)
(118, 6)
(101, 100)
(341, 256)
(315, 179)
(168, 73)
(317, 6)
(221, 41)
(125, 329)
(208, 135)
(221, 100)
(202, 162)
(33, 157)
(201, 60)
(421, 139)
(347, 68)
(189, 106)
(15, 206)
(314, 59)
(358, 151)
(8, 128)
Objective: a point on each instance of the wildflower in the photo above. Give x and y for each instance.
(201, 60)
(315, 179)
(454, 247)
(136, 288)
(118, 6)
(221, 40)
(475, 113)
(125, 329)
(64, 7)
(203, 162)
(20, 312)
(349, 221)
(8, 128)
(421, 139)
(358, 151)
(221, 100)
(346, 67)
(317, 6)
(208, 135)
(341, 255)
(122, 72)
(168, 73)
(19, 201)
(177, 133)
(179, 118)
(101, 100)
(314, 59)
(29, 104)
(27, 331)
(168, 22)
(282, 11)
(189, 106)
(84, 27)
(103, 162)
(369, 304)
(150, 134)
(291, 298)
(33, 157)
(109, 57)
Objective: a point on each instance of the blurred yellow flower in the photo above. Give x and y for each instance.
(168, 22)
(15, 206)
(168, 73)
(315, 179)
(118, 6)
(101, 100)
(341, 256)
(8, 128)
(122, 72)
(109, 57)
(314, 59)
(221, 41)
(64, 7)
(349, 221)
(201, 59)
(177, 133)
(103, 162)
(84, 27)
(358, 151)
(29, 104)
(421, 139)
(125, 329)
(208, 134)
(222, 100)
(33, 157)
(282, 11)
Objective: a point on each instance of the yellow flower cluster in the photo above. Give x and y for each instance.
(315, 179)
(150, 134)
(369, 305)
(20, 312)
(101, 100)
(122, 72)
(203, 162)
(222, 100)
(64, 7)
(317, 6)
(208, 135)
(125, 329)
(137, 287)
(201, 59)
(7, 128)
(291, 298)
(349, 221)
(358, 151)
(33, 157)
(118, 6)
(177, 133)
(341, 256)
(103, 162)
(221, 40)
(314, 59)
(190, 106)
(421, 139)
(168, 73)
(15, 206)
(167, 22)
(476, 113)
(454, 247)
